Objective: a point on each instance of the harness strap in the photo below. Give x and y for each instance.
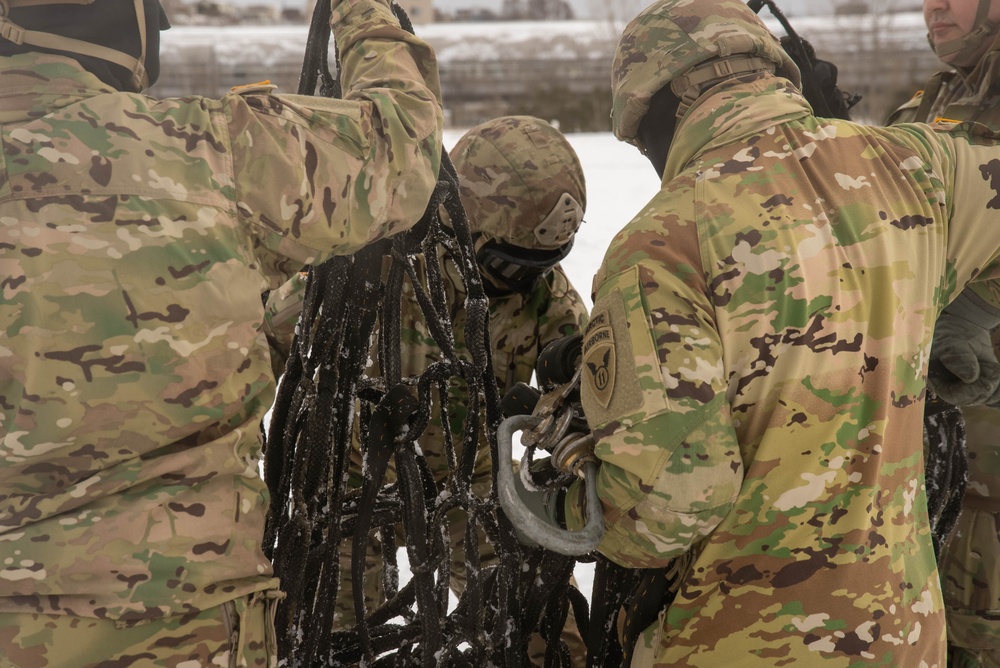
(12, 32)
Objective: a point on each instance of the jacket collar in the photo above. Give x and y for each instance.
(730, 112)
(985, 72)
(35, 84)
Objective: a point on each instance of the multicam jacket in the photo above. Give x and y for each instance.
(136, 238)
(754, 370)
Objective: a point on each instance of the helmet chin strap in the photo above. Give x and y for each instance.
(12, 32)
(963, 49)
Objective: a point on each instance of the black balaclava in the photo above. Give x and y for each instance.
(656, 130)
(109, 23)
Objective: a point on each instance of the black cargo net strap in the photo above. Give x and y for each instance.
(328, 395)
(946, 467)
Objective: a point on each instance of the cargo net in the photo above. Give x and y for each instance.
(328, 394)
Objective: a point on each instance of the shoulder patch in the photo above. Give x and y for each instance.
(599, 360)
(611, 388)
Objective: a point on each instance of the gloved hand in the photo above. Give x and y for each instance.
(558, 361)
(544, 504)
(964, 369)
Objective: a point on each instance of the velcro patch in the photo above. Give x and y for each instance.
(599, 362)
(610, 387)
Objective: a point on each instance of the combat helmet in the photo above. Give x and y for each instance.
(963, 51)
(690, 45)
(136, 66)
(523, 189)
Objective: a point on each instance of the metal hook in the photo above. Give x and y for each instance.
(570, 543)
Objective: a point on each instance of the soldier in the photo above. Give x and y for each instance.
(754, 367)
(136, 238)
(964, 35)
(522, 187)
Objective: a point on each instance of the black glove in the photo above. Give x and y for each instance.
(819, 81)
(558, 361)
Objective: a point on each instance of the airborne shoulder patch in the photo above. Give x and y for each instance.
(610, 387)
(599, 358)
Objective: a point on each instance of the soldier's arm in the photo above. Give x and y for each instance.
(314, 175)
(975, 198)
(654, 392)
(963, 364)
(958, 168)
(281, 313)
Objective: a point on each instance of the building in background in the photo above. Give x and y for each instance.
(419, 11)
(556, 70)
(536, 10)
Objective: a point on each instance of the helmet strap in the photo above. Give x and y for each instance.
(964, 48)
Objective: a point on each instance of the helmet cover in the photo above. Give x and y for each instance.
(670, 38)
(520, 182)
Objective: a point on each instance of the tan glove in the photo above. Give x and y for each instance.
(964, 369)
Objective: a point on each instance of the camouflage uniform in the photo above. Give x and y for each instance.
(494, 193)
(970, 561)
(756, 358)
(136, 238)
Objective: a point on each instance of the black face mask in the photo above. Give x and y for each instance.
(511, 268)
(109, 23)
(156, 21)
(656, 130)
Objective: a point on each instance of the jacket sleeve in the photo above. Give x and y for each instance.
(281, 315)
(654, 392)
(315, 176)
(965, 155)
(565, 313)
